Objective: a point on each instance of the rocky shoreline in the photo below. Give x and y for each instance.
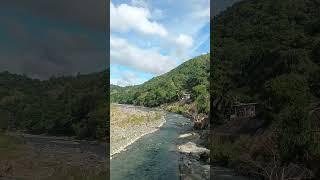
(124, 135)
(43, 157)
(121, 146)
(194, 162)
(194, 158)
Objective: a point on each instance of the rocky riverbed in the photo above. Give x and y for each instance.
(194, 161)
(148, 157)
(129, 123)
(153, 156)
(194, 158)
(25, 156)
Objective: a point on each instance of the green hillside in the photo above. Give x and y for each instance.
(267, 51)
(73, 106)
(190, 77)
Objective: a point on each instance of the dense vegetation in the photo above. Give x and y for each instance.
(268, 51)
(190, 77)
(73, 106)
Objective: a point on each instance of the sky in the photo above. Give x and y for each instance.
(63, 37)
(151, 37)
(53, 38)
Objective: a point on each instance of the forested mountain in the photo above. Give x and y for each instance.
(190, 77)
(58, 106)
(268, 52)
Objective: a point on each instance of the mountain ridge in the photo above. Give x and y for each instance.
(189, 77)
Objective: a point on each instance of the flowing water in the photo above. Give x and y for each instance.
(153, 156)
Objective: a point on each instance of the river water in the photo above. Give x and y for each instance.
(153, 156)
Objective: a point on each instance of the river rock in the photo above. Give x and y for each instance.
(192, 169)
(185, 135)
(192, 149)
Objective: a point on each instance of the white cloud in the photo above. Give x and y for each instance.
(189, 16)
(155, 36)
(124, 18)
(201, 13)
(140, 3)
(181, 46)
(184, 41)
(126, 78)
(146, 60)
(200, 8)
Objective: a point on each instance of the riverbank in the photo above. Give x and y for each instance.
(130, 123)
(194, 157)
(153, 156)
(194, 161)
(42, 157)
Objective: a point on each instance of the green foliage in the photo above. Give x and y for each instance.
(287, 90)
(222, 152)
(267, 51)
(268, 54)
(178, 108)
(58, 106)
(314, 81)
(294, 140)
(4, 121)
(191, 76)
(290, 97)
(202, 98)
(227, 152)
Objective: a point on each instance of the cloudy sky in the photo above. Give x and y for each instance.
(151, 37)
(57, 37)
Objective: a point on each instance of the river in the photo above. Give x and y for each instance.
(65, 145)
(153, 156)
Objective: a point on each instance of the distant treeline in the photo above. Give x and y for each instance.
(73, 106)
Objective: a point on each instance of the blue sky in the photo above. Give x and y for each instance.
(150, 37)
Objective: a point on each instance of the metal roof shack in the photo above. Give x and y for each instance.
(243, 110)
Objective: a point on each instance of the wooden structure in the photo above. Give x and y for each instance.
(185, 96)
(243, 110)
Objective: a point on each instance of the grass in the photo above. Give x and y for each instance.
(126, 118)
(178, 108)
(137, 120)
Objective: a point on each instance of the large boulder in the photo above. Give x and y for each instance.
(194, 150)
